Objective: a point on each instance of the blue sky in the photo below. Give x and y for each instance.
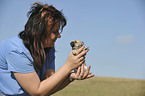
(114, 30)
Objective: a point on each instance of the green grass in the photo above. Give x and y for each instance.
(104, 86)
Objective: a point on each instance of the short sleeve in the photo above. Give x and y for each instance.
(20, 62)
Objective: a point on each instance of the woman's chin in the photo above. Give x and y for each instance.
(52, 45)
(49, 45)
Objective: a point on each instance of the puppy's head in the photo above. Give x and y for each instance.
(76, 44)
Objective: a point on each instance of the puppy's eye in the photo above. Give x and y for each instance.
(75, 41)
(72, 44)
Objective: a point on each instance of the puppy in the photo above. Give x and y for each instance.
(76, 44)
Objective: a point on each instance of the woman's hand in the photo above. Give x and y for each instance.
(73, 61)
(80, 75)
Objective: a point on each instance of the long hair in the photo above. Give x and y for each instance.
(36, 27)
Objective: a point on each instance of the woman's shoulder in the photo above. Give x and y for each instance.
(16, 44)
(11, 42)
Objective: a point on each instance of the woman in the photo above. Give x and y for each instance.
(27, 61)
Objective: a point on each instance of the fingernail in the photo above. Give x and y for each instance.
(93, 75)
(89, 66)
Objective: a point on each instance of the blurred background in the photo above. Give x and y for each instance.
(114, 30)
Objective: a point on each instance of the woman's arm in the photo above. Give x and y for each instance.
(72, 76)
(50, 72)
(62, 85)
(31, 82)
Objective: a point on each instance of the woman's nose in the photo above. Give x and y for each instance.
(58, 36)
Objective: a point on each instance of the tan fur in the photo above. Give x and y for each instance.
(76, 44)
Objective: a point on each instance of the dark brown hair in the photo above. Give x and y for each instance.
(36, 27)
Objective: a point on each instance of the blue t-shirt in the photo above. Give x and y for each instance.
(15, 57)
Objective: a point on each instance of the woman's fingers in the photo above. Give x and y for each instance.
(87, 72)
(81, 61)
(79, 50)
(82, 53)
(78, 59)
(86, 48)
(80, 75)
(78, 71)
(89, 76)
(82, 72)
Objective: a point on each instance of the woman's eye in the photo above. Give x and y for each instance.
(55, 32)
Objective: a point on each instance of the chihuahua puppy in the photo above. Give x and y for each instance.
(76, 44)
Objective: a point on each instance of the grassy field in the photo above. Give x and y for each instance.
(104, 86)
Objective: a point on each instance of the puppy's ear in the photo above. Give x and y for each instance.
(72, 44)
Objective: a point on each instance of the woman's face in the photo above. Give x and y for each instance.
(52, 37)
